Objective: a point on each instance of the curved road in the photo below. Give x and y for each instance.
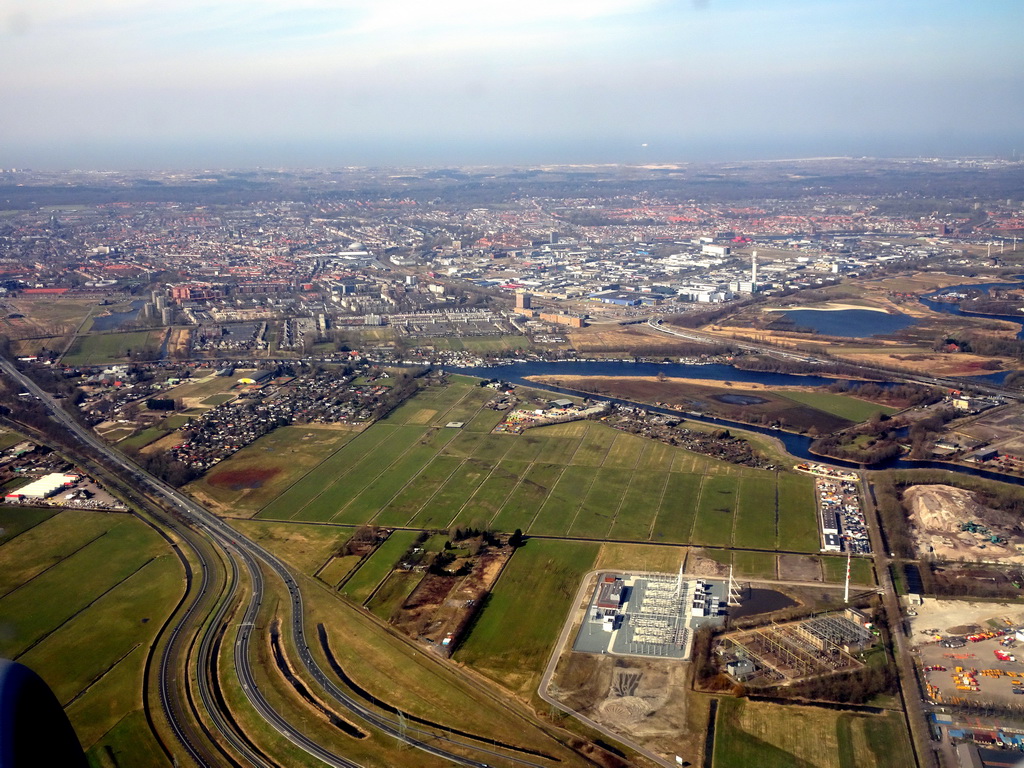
(251, 555)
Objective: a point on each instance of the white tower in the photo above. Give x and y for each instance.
(734, 593)
(846, 594)
(753, 269)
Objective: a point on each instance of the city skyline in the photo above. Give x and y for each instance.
(125, 84)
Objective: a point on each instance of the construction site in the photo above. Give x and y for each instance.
(781, 653)
(950, 524)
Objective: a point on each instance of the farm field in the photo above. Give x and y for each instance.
(581, 479)
(843, 406)
(82, 597)
(377, 567)
(861, 571)
(306, 547)
(16, 520)
(262, 471)
(112, 347)
(43, 316)
(512, 637)
(771, 736)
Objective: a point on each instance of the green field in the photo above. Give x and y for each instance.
(377, 566)
(143, 438)
(113, 347)
(861, 569)
(772, 736)
(582, 479)
(262, 471)
(511, 638)
(17, 520)
(83, 595)
(843, 406)
(393, 592)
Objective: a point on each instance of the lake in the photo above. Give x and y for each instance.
(114, 320)
(851, 323)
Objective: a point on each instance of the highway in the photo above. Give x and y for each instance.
(236, 545)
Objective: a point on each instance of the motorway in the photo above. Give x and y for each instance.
(236, 546)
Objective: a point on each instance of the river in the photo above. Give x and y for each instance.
(953, 307)
(796, 445)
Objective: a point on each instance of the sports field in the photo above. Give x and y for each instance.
(751, 733)
(582, 479)
(82, 595)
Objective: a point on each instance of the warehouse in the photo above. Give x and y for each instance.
(44, 487)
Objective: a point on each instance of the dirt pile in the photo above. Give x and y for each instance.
(939, 514)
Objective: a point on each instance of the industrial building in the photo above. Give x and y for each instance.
(650, 614)
(43, 488)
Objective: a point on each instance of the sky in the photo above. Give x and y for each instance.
(123, 84)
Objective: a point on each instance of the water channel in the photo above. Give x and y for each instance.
(796, 445)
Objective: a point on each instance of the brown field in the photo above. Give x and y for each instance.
(646, 700)
(179, 343)
(283, 456)
(243, 479)
(442, 605)
(937, 512)
(684, 395)
(45, 316)
(613, 339)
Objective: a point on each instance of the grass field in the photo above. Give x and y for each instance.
(393, 592)
(83, 594)
(307, 547)
(511, 639)
(844, 406)
(143, 438)
(262, 471)
(581, 479)
(9, 439)
(112, 347)
(861, 570)
(771, 736)
(16, 520)
(377, 566)
(397, 671)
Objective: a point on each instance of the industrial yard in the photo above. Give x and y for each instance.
(776, 654)
(841, 516)
(968, 651)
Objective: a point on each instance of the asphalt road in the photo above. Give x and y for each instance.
(250, 554)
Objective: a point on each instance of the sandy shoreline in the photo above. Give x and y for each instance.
(830, 307)
(750, 386)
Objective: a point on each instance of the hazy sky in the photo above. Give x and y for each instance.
(200, 83)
